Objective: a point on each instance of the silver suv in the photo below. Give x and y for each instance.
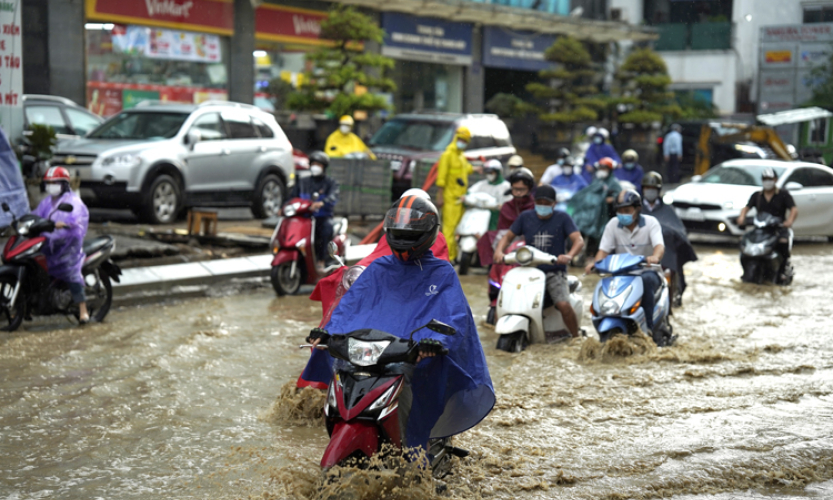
(157, 159)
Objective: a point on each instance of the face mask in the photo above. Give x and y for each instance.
(345, 129)
(53, 189)
(651, 194)
(316, 170)
(560, 161)
(544, 210)
(462, 144)
(491, 177)
(598, 140)
(769, 185)
(629, 165)
(568, 171)
(625, 219)
(602, 174)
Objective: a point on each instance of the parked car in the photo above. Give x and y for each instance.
(410, 138)
(157, 159)
(69, 120)
(711, 203)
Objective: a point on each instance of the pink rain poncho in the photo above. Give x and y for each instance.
(64, 249)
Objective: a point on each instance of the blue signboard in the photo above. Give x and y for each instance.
(426, 39)
(523, 50)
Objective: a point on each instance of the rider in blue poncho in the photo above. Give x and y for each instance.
(598, 149)
(399, 292)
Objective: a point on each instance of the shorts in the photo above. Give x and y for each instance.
(557, 286)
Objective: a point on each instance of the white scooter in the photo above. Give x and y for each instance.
(473, 225)
(526, 314)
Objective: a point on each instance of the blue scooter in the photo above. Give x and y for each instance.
(617, 300)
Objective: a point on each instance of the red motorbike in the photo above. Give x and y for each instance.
(27, 289)
(293, 246)
(362, 409)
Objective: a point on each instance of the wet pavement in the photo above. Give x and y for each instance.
(178, 401)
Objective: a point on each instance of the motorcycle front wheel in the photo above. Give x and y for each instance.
(512, 342)
(465, 263)
(282, 282)
(14, 315)
(98, 290)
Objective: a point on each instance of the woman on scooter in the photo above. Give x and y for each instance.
(495, 185)
(450, 393)
(64, 251)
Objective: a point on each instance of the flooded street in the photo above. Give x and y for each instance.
(176, 401)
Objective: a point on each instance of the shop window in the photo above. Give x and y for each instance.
(210, 127)
(263, 129)
(81, 121)
(240, 126)
(818, 14)
(48, 115)
(818, 131)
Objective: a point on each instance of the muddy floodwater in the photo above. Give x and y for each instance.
(178, 401)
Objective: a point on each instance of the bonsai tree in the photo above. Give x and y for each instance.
(35, 148)
(569, 93)
(343, 78)
(279, 91)
(643, 95)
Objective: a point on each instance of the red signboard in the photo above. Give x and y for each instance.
(287, 24)
(210, 16)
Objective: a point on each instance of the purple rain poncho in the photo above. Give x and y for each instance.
(64, 249)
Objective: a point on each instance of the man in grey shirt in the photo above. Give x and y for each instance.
(672, 151)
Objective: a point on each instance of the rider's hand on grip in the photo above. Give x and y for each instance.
(318, 335)
(430, 347)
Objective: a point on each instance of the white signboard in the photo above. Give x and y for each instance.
(11, 68)
(166, 44)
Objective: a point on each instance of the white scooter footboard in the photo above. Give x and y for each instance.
(511, 323)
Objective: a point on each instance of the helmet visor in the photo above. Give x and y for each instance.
(405, 220)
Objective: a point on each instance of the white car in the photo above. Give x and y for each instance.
(712, 202)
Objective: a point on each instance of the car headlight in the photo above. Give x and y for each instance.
(668, 199)
(125, 160)
(350, 276)
(363, 353)
(524, 255)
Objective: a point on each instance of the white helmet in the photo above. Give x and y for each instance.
(515, 161)
(591, 131)
(416, 192)
(492, 165)
(603, 131)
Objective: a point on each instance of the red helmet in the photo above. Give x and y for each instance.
(56, 174)
(606, 162)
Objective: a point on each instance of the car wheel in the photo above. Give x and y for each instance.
(269, 197)
(163, 202)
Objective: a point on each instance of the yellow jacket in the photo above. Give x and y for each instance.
(340, 145)
(453, 166)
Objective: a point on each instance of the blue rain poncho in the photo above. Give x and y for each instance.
(12, 189)
(589, 209)
(451, 393)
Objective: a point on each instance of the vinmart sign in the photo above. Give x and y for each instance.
(210, 16)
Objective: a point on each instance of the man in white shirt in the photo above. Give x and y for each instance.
(636, 234)
(672, 151)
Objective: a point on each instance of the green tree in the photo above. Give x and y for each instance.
(279, 91)
(642, 91)
(339, 69)
(568, 93)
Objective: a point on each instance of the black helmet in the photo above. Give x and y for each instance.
(562, 153)
(522, 175)
(652, 179)
(629, 198)
(319, 157)
(411, 227)
(769, 173)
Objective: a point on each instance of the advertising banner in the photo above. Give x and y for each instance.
(426, 39)
(288, 24)
(210, 16)
(521, 50)
(166, 44)
(11, 68)
(107, 99)
(821, 32)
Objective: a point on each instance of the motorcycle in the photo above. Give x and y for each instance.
(26, 289)
(758, 257)
(473, 225)
(617, 300)
(293, 247)
(525, 311)
(362, 408)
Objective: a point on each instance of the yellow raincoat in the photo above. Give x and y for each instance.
(340, 144)
(453, 173)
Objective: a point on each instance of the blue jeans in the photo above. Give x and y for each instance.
(650, 283)
(77, 291)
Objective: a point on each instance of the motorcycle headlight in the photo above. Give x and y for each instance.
(124, 160)
(290, 209)
(331, 394)
(350, 276)
(609, 308)
(23, 227)
(363, 353)
(524, 255)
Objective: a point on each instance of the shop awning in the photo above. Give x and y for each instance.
(513, 18)
(793, 116)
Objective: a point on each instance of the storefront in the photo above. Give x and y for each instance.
(512, 60)
(164, 50)
(284, 36)
(431, 57)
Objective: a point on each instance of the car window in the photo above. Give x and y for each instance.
(82, 122)
(140, 125)
(264, 130)
(501, 135)
(811, 177)
(746, 175)
(481, 142)
(239, 125)
(420, 136)
(210, 127)
(481, 134)
(801, 176)
(48, 115)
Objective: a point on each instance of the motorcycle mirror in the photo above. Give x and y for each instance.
(6, 207)
(440, 327)
(332, 249)
(65, 207)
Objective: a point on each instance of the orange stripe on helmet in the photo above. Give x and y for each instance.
(409, 200)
